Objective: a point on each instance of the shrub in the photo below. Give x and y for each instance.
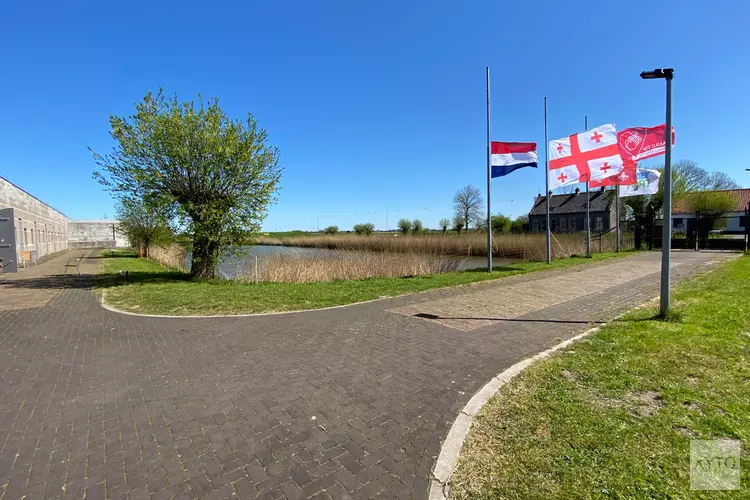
(404, 225)
(331, 230)
(458, 223)
(501, 223)
(416, 226)
(364, 229)
(520, 225)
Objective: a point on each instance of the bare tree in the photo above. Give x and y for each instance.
(468, 203)
(720, 181)
(570, 188)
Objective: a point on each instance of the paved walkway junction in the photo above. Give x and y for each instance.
(345, 403)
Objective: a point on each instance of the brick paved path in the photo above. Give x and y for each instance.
(350, 402)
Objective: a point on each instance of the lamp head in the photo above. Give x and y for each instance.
(666, 73)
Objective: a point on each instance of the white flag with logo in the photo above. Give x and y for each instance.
(647, 182)
(583, 157)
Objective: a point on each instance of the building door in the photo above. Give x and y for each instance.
(8, 257)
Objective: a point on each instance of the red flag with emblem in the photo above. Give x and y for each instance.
(635, 143)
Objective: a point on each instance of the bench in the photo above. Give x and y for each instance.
(75, 262)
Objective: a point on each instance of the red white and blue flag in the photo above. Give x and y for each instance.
(509, 156)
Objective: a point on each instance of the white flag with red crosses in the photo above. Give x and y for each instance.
(588, 156)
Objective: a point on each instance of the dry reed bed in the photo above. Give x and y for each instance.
(172, 256)
(521, 246)
(333, 266)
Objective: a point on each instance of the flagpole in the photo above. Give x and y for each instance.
(588, 197)
(617, 225)
(489, 176)
(546, 180)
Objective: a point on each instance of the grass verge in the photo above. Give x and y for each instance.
(613, 415)
(154, 289)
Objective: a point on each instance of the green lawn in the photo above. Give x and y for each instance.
(156, 290)
(613, 415)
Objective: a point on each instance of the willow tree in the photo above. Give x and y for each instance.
(216, 176)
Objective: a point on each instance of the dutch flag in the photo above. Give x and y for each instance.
(509, 156)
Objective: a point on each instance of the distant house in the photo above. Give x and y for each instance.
(567, 212)
(683, 218)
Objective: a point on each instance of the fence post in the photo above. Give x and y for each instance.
(256, 269)
(697, 229)
(747, 225)
(600, 242)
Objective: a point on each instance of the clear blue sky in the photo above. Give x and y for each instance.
(370, 103)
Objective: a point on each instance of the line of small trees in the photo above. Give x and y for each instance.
(364, 229)
(414, 226)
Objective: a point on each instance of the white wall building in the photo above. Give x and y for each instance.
(39, 229)
(31, 229)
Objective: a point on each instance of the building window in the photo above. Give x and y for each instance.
(563, 224)
(535, 226)
(544, 224)
(553, 224)
(599, 225)
(572, 224)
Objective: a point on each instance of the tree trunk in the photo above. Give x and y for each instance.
(638, 236)
(205, 258)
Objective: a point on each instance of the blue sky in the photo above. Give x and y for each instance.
(370, 103)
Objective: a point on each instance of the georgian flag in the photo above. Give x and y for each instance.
(588, 156)
(509, 156)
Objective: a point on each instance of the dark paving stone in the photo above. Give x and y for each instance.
(350, 402)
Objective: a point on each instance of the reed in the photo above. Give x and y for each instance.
(333, 266)
(172, 256)
(529, 246)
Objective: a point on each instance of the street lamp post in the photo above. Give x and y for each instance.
(666, 238)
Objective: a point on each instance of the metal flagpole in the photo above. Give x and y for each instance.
(617, 224)
(546, 180)
(588, 197)
(489, 176)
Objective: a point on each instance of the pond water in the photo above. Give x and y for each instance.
(244, 258)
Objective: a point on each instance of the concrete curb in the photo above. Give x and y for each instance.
(246, 315)
(454, 442)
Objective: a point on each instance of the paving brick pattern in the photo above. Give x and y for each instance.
(343, 403)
